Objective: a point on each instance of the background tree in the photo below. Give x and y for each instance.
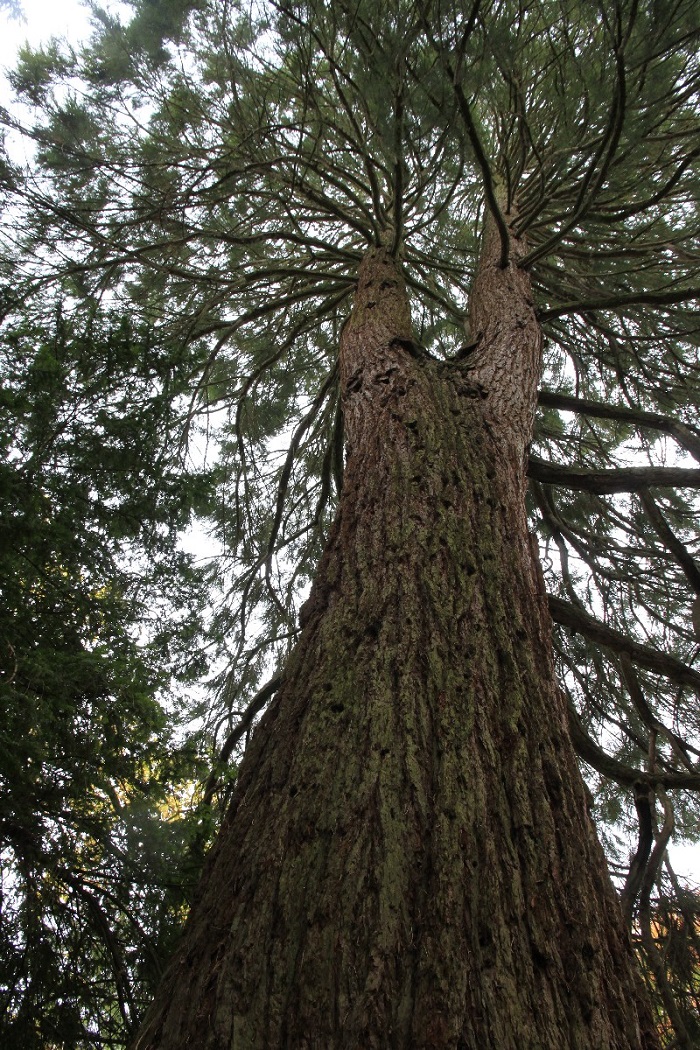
(95, 767)
(223, 171)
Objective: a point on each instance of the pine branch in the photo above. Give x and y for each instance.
(622, 774)
(643, 801)
(484, 167)
(620, 301)
(567, 615)
(595, 176)
(606, 482)
(686, 436)
(670, 540)
(235, 736)
(465, 111)
(647, 715)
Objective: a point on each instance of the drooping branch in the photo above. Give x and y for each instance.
(127, 1007)
(620, 772)
(236, 735)
(603, 155)
(647, 715)
(613, 214)
(298, 434)
(654, 660)
(646, 919)
(643, 802)
(670, 540)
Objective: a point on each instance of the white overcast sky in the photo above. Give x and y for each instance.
(43, 19)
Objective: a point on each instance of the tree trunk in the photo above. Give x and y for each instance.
(408, 860)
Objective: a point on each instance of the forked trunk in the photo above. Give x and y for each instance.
(408, 860)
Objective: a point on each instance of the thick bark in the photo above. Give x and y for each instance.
(408, 860)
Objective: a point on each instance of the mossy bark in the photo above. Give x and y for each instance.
(408, 860)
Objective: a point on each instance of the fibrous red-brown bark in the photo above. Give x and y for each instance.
(408, 860)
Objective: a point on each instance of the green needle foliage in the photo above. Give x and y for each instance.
(214, 171)
(99, 614)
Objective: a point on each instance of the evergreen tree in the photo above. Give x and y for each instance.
(93, 774)
(509, 197)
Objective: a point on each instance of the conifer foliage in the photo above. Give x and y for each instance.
(95, 780)
(215, 172)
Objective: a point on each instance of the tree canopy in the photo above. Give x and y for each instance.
(178, 258)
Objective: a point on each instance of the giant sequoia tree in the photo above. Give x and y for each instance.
(439, 261)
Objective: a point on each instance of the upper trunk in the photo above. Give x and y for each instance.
(408, 860)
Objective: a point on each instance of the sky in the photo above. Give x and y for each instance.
(42, 19)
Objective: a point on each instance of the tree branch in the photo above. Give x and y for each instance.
(643, 801)
(684, 435)
(647, 715)
(662, 529)
(618, 302)
(482, 161)
(646, 921)
(606, 482)
(620, 772)
(244, 723)
(670, 667)
(472, 133)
